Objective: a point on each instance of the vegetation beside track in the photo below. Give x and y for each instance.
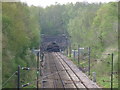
(20, 33)
(94, 25)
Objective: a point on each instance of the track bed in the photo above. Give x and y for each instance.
(60, 72)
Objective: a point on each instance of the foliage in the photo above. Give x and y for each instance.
(20, 31)
(105, 24)
(53, 20)
(88, 24)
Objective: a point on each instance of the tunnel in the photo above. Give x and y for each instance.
(53, 47)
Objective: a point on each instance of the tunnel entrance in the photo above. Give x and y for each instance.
(53, 47)
(54, 43)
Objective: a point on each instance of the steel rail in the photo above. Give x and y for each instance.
(58, 73)
(67, 73)
(72, 71)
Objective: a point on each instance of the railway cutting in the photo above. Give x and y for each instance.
(60, 72)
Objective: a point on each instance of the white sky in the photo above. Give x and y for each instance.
(45, 3)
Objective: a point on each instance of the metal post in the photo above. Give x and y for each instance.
(112, 73)
(70, 50)
(18, 77)
(67, 50)
(69, 46)
(78, 55)
(94, 76)
(40, 63)
(89, 60)
(74, 54)
(66, 45)
(37, 70)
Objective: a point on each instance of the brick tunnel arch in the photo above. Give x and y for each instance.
(53, 47)
(60, 40)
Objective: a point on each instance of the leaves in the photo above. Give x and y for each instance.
(21, 30)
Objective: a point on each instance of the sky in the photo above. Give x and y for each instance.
(45, 3)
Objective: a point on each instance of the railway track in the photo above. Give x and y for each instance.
(71, 74)
(62, 73)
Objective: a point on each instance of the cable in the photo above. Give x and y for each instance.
(44, 77)
(8, 79)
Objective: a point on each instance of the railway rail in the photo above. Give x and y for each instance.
(60, 72)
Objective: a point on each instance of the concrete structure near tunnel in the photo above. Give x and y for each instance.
(60, 40)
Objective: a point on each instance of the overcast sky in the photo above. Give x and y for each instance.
(45, 3)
